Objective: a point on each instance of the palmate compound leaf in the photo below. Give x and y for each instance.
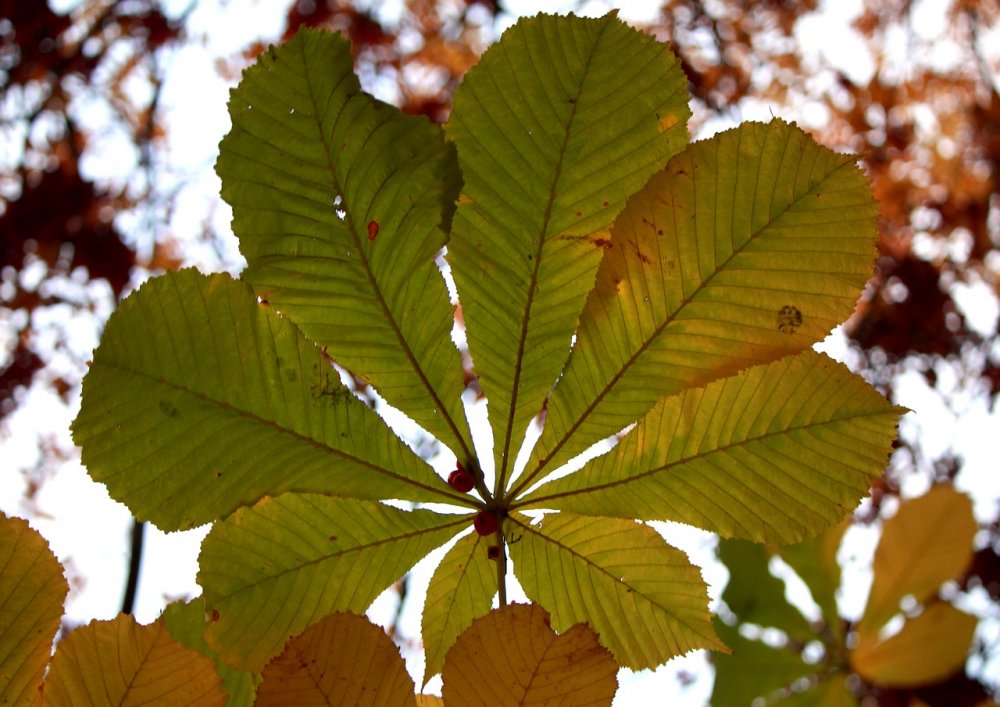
(556, 127)
(32, 592)
(200, 400)
(271, 570)
(749, 246)
(512, 658)
(773, 454)
(461, 589)
(645, 599)
(342, 660)
(120, 662)
(339, 202)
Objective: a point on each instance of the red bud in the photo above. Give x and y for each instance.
(486, 523)
(461, 480)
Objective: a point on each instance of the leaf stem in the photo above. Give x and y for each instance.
(501, 566)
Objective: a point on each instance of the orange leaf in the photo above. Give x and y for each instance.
(120, 662)
(343, 659)
(512, 657)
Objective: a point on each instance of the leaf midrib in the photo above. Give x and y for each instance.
(370, 545)
(533, 282)
(369, 273)
(616, 582)
(536, 501)
(452, 497)
(609, 386)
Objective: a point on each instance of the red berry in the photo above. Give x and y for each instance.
(461, 481)
(486, 523)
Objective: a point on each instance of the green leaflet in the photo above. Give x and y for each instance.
(555, 127)
(339, 202)
(774, 454)
(461, 590)
(200, 400)
(186, 622)
(749, 246)
(271, 570)
(645, 599)
(754, 669)
(754, 594)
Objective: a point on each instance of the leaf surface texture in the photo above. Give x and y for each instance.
(200, 400)
(340, 203)
(555, 127)
(748, 247)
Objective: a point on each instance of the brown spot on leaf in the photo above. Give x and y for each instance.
(214, 616)
(789, 319)
(493, 552)
(603, 243)
(604, 203)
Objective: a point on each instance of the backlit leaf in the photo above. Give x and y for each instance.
(339, 202)
(645, 599)
(342, 660)
(555, 127)
(929, 648)
(511, 657)
(201, 400)
(773, 454)
(926, 543)
(32, 592)
(186, 623)
(271, 570)
(748, 247)
(120, 662)
(461, 589)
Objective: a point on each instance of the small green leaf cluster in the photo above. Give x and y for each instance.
(613, 280)
(927, 543)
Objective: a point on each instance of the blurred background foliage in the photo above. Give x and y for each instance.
(106, 148)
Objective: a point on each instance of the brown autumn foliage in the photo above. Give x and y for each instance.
(927, 132)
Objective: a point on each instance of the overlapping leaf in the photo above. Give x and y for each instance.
(201, 400)
(340, 202)
(461, 589)
(645, 599)
(271, 570)
(120, 662)
(774, 454)
(186, 623)
(342, 660)
(749, 246)
(555, 127)
(32, 592)
(512, 658)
